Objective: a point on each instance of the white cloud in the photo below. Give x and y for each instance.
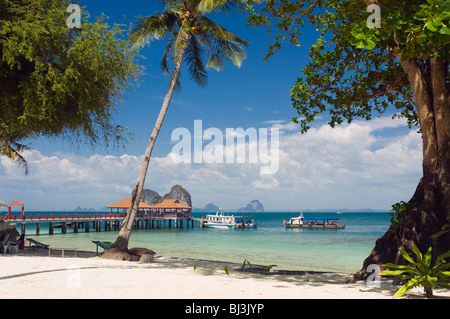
(350, 166)
(64, 180)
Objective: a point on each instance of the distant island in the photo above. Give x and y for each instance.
(253, 207)
(84, 210)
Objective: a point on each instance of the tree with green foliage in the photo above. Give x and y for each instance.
(58, 81)
(192, 36)
(360, 71)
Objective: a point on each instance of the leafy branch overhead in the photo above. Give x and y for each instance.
(353, 73)
(58, 81)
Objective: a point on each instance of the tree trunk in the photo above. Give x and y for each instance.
(429, 208)
(119, 249)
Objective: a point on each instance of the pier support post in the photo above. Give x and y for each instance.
(86, 227)
(64, 228)
(38, 229)
(50, 228)
(75, 227)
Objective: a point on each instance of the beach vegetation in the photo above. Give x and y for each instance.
(192, 38)
(59, 81)
(396, 212)
(444, 229)
(419, 272)
(398, 65)
(268, 268)
(264, 270)
(245, 263)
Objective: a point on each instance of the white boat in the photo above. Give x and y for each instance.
(220, 220)
(313, 222)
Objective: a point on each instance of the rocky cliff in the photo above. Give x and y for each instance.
(253, 207)
(177, 192)
(150, 197)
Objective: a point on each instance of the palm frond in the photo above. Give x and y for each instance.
(194, 58)
(222, 6)
(164, 62)
(12, 150)
(215, 62)
(224, 43)
(153, 27)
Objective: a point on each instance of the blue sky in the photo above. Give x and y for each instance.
(235, 97)
(363, 165)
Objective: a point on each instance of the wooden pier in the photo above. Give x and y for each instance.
(201, 221)
(163, 215)
(99, 222)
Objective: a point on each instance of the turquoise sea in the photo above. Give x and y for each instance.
(341, 250)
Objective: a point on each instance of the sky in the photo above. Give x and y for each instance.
(365, 164)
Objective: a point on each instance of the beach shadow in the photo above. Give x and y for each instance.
(282, 278)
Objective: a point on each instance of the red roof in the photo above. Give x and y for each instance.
(126, 204)
(171, 203)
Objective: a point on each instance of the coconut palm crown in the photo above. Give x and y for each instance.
(188, 28)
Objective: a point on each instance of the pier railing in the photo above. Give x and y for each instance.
(88, 217)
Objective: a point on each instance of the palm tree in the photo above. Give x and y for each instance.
(191, 36)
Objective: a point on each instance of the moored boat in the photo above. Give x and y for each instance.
(313, 222)
(245, 222)
(222, 221)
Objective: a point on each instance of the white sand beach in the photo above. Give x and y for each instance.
(169, 278)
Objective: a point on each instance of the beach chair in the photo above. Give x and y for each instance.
(36, 244)
(3, 242)
(102, 244)
(13, 245)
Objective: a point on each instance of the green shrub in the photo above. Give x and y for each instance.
(418, 273)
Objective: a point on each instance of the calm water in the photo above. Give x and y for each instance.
(270, 243)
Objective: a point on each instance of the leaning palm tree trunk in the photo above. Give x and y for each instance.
(191, 36)
(118, 250)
